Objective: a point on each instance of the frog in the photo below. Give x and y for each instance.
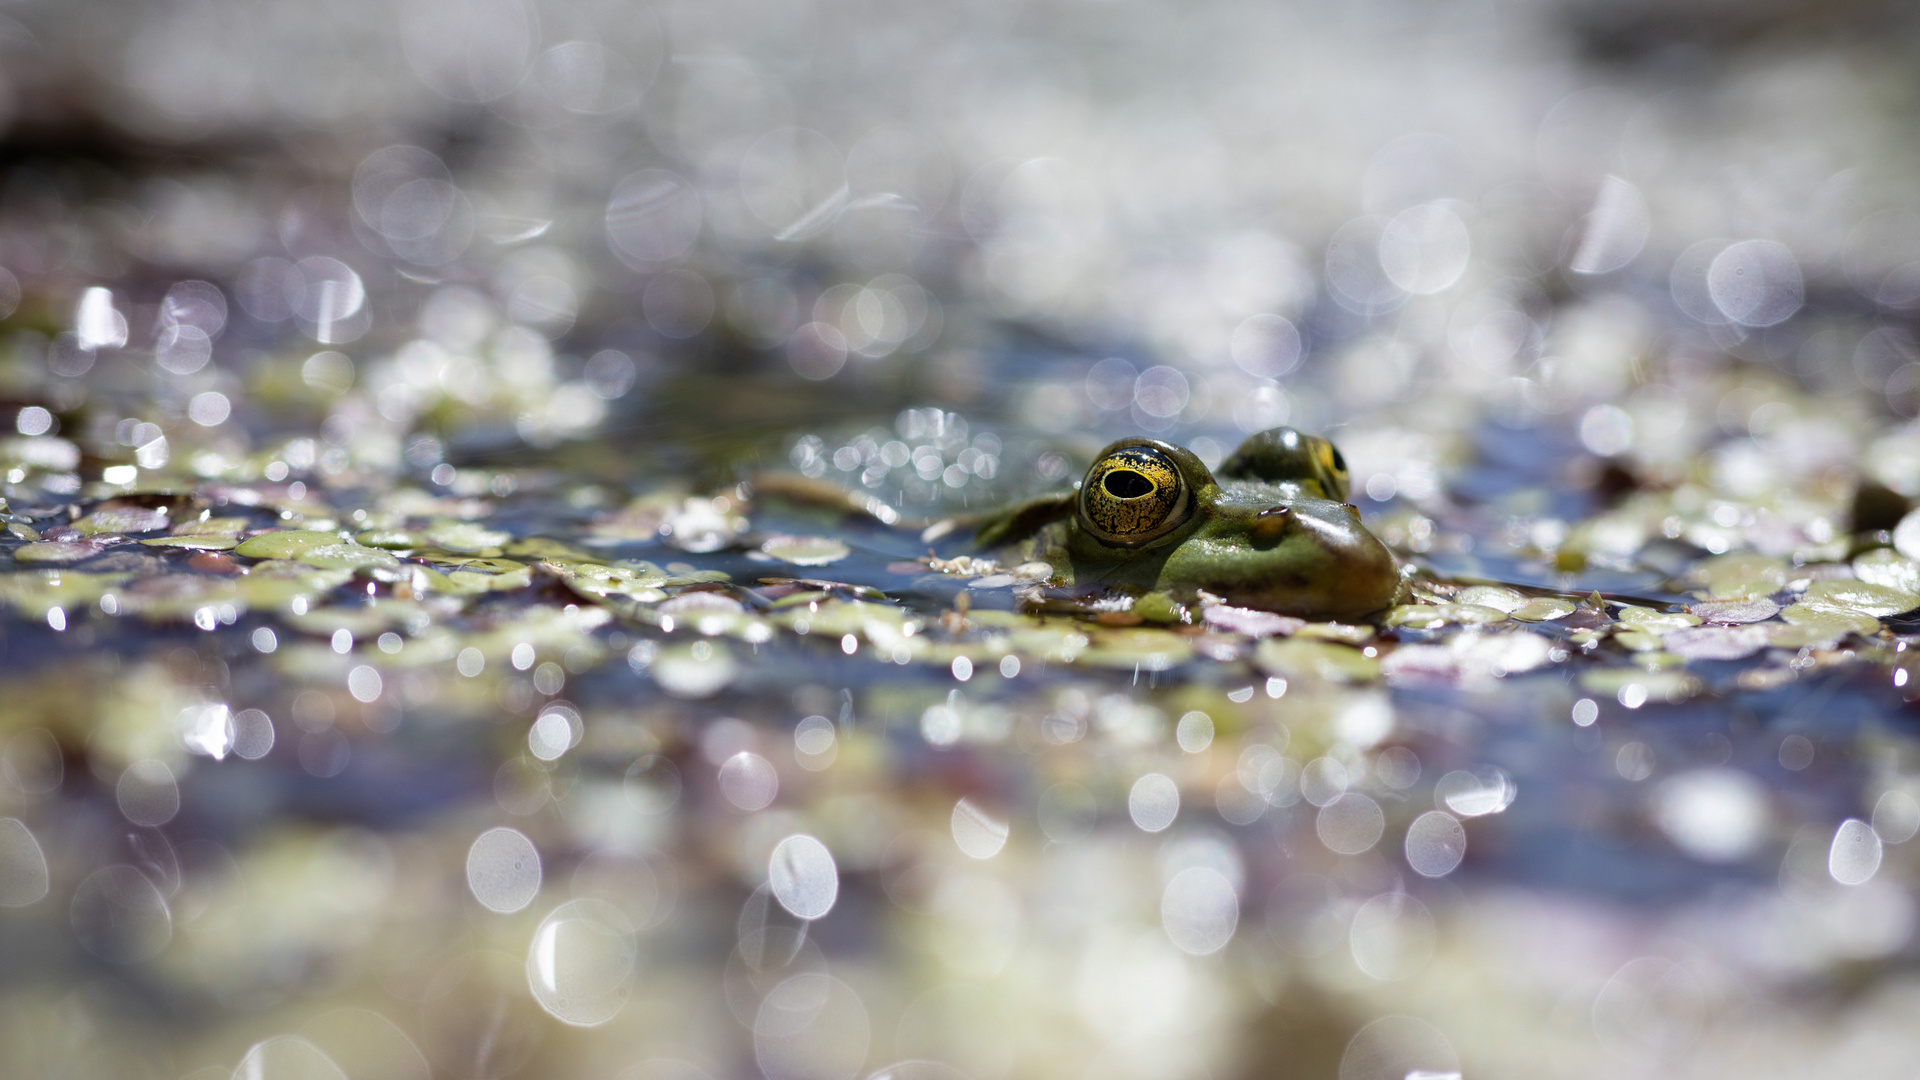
(1269, 528)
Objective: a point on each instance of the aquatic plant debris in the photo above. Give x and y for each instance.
(438, 577)
(566, 631)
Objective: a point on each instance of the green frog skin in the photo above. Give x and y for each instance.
(1271, 529)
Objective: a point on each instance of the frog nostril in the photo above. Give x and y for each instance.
(1270, 524)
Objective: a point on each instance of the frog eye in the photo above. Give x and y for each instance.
(1133, 495)
(1336, 464)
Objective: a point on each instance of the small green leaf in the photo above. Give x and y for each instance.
(466, 536)
(1298, 658)
(806, 550)
(1862, 596)
(1543, 609)
(126, 519)
(285, 544)
(1650, 621)
(345, 557)
(1494, 596)
(390, 539)
(58, 551)
(1416, 617)
(1827, 618)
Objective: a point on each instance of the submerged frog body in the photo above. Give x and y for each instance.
(1270, 529)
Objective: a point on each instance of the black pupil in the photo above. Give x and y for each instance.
(1339, 462)
(1127, 484)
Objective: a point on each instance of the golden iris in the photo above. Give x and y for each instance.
(1336, 467)
(1133, 495)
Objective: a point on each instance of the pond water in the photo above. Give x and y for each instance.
(488, 584)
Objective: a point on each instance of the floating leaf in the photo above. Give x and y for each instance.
(472, 563)
(1496, 597)
(1862, 596)
(1502, 653)
(41, 452)
(1154, 607)
(548, 549)
(469, 582)
(390, 539)
(1820, 634)
(1053, 639)
(1470, 656)
(1884, 566)
(466, 537)
(1906, 535)
(1638, 640)
(362, 620)
(1543, 609)
(1718, 642)
(1742, 575)
(1650, 621)
(1420, 664)
(1252, 623)
(61, 551)
(34, 592)
(1417, 617)
(1140, 648)
(702, 525)
(344, 557)
(421, 649)
(699, 670)
(598, 581)
(285, 544)
(219, 526)
(276, 583)
(1300, 659)
(419, 580)
(1344, 633)
(1656, 686)
(710, 613)
(806, 550)
(124, 519)
(182, 597)
(1471, 614)
(964, 566)
(689, 576)
(1730, 612)
(804, 598)
(1829, 619)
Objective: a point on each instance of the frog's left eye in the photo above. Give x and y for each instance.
(1133, 495)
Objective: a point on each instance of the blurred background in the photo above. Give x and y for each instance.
(1587, 290)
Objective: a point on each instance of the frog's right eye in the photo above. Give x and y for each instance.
(1134, 495)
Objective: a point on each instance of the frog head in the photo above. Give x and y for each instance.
(1269, 532)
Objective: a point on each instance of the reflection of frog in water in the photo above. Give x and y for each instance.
(1271, 531)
